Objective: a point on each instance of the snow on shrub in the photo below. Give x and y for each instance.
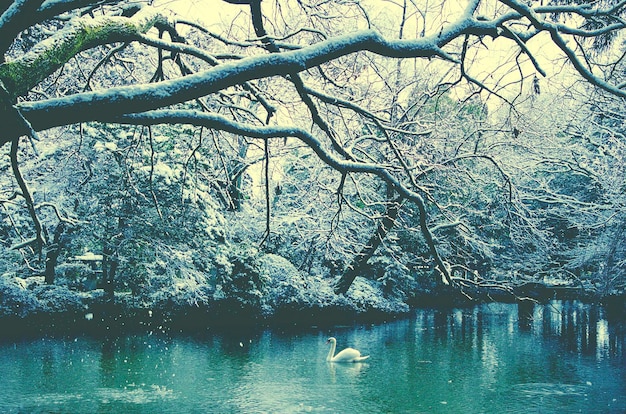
(21, 297)
(55, 298)
(15, 298)
(239, 275)
(288, 287)
(366, 295)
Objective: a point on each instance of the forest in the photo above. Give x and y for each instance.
(283, 157)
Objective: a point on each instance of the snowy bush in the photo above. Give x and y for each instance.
(22, 298)
(76, 276)
(366, 295)
(239, 275)
(181, 292)
(55, 299)
(9, 261)
(396, 279)
(15, 298)
(291, 289)
(286, 283)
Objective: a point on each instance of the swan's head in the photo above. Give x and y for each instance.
(331, 340)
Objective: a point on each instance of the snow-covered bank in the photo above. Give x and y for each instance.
(287, 297)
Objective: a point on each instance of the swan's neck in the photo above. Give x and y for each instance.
(331, 353)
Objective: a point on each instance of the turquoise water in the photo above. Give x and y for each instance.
(565, 358)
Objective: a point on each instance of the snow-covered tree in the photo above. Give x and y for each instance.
(357, 85)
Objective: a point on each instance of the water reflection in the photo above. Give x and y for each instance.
(558, 357)
(345, 370)
(582, 328)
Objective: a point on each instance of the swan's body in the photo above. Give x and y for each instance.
(347, 355)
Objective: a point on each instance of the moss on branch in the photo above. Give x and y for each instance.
(25, 72)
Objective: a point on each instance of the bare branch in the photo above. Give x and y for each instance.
(39, 235)
(555, 32)
(264, 132)
(57, 212)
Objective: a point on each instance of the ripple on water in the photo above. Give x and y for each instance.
(539, 391)
(538, 396)
(135, 395)
(548, 389)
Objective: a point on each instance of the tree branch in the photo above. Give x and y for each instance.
(268, 204)
(12, 22)
(39, 236)
(83, 107)
(268, 42)
(214, 121)
(23, 73)
(555, 32)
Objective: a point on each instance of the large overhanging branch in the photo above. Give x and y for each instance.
(83, 107)
(213, 121)
(139, 98)
(118, 101)
(22, 14)
(20, 75)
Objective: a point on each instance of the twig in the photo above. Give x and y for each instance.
(39, 236)
(268, 205)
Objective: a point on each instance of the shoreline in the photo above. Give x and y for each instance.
(114, 319)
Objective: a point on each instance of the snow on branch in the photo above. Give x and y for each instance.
(83, 107)
(15, 12)
(12, 20)
(556, 32)
(22, 74)
(214, 121)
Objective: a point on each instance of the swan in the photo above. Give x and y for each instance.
(347, 355)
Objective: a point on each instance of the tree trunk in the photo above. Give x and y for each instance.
(360, 261)
(608, 279)
(109, 266)
(235, 191)
(53, 254)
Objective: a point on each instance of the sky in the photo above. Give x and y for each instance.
(493, 62)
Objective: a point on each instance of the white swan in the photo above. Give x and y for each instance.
(347, 355)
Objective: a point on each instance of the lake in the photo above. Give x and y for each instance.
(563, 357)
